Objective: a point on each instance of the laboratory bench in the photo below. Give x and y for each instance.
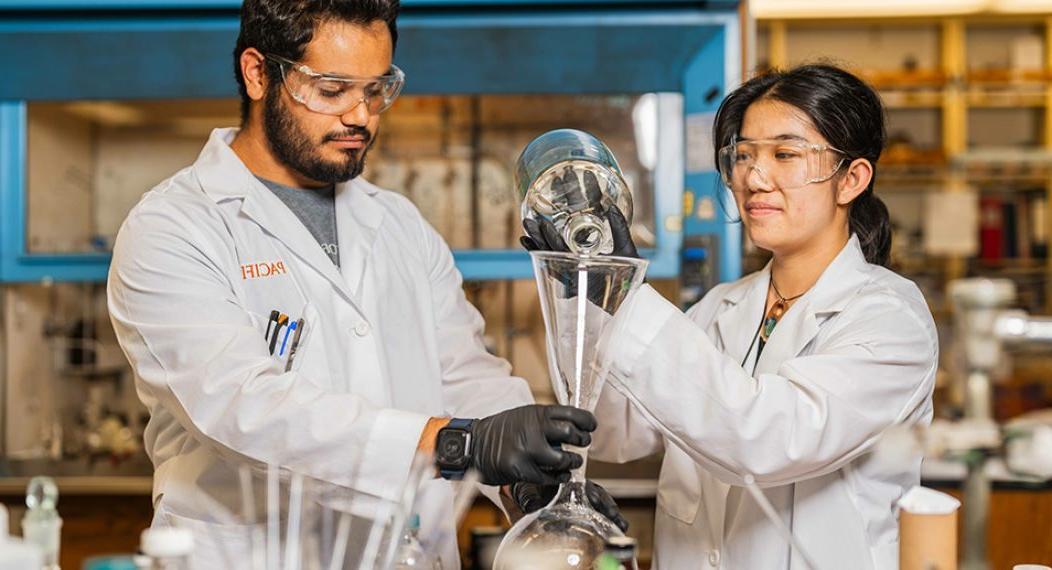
(104, 506)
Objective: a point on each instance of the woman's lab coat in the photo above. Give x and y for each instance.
(389, 341)
(854, 356)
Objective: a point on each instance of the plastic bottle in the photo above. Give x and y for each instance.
(411, 553)
(41, 526)
(14, 554)
(618, 554)
(169, 548)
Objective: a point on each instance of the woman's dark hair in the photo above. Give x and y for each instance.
(285, 27)
(846, 111)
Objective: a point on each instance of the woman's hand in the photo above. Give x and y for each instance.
(541, 235)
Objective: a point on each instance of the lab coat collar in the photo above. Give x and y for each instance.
(835, 288)
(358, 215)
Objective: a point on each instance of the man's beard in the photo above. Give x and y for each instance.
(294, 148)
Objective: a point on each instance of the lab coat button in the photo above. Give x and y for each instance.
(361, 329)
(714, 558)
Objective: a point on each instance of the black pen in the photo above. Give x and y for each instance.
(273, 319)
(283, 319)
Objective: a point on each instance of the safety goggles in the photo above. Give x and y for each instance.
(787, 164)
(338, 95)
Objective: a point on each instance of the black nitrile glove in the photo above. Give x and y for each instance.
(567, 192)
(544, 233)
(525, 444)
(541, 235)
(531, 497)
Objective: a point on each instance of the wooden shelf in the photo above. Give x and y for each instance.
(907, 98)
(1005, 98)
(960, 75)
(903, 79)
(1007, 76)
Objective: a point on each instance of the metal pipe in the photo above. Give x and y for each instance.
(976, 514)
(978, 405)
(978, 396)
(1019, 328)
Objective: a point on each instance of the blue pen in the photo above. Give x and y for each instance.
(285, 340)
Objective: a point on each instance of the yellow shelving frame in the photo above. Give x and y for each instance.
(951, 89)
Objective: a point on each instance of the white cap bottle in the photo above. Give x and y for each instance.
(14, 554)
(169, 547)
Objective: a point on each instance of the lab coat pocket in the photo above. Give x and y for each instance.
(285, 341)
(679, 488)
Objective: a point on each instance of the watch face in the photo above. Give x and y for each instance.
(451, 448)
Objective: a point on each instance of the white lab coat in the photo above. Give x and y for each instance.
(389, 341)
(854, 356)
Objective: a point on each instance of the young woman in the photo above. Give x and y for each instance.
(788, 376)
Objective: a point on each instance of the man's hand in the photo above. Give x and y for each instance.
(525, 444)
(530, 497)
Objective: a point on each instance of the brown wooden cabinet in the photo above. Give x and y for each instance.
(92, 525)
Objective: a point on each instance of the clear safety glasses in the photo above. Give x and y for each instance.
(338, 95)
(786, 164)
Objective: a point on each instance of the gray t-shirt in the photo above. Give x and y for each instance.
(316, 208)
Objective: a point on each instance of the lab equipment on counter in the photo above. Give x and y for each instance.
(410, 553)
(15, 554)
(167, 548)
(578, 296)
(276, 519)
(986, 326)
(1028, 444)
(571, 179)
(41, 524)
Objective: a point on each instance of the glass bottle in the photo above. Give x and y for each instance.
(411, 553)
(41, 525)
(571, 179)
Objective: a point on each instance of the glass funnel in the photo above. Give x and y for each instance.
(571, 179)
(579, 296)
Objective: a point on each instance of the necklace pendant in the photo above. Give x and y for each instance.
(768, 327)
(772, 318)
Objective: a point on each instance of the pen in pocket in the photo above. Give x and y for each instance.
(295, 343)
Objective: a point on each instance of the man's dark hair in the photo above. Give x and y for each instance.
(285, 27)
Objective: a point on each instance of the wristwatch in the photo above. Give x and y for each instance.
(453, 448)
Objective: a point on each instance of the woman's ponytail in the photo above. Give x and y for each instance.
(869, 220)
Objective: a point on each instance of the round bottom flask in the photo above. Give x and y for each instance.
(567, 534)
